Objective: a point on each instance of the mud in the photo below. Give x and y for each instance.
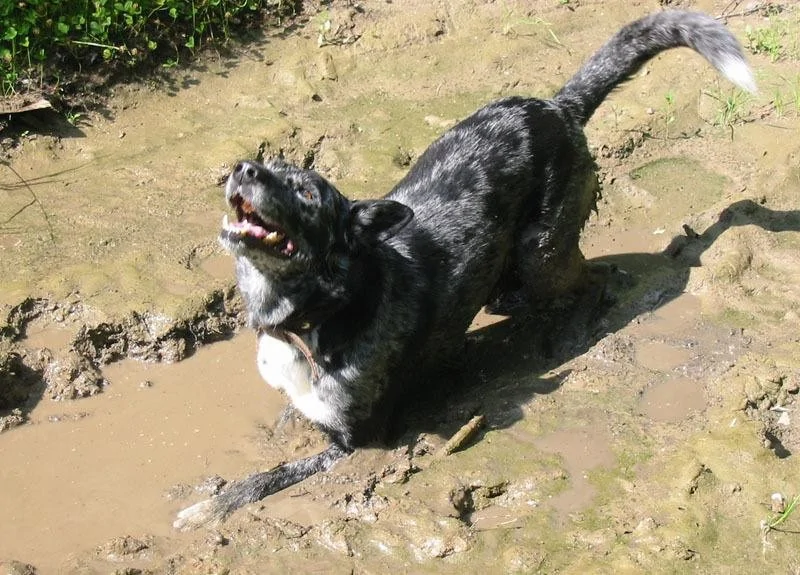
(640, 427)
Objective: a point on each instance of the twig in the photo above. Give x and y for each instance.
(731, 5)
(746, 12)
(35, 200)
(462, 436)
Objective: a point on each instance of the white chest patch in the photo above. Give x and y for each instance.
(283, 366)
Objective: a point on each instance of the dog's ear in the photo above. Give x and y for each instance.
(374, 221)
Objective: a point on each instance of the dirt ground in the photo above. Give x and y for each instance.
(653, 432)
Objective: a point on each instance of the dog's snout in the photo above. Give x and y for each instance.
(245, 172)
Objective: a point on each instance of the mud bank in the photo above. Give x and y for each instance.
(643, 428)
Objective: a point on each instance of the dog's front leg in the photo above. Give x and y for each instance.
(256, 487)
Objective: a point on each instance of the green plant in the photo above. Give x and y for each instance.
(38, 37)
(766, 41)
(667, 112)
(779, 518)
(733, 108)
(779, 102)
(794, 92)
(509, 28)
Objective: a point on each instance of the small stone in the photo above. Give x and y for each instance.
(646, 525)
(216, 539)
(777, 503)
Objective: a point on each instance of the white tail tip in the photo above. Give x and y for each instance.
(737, 71)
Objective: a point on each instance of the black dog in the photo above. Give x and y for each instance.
(353, 301)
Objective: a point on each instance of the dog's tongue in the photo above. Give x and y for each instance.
(269, 237)
(244, 227)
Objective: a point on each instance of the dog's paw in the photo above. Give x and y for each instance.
(199, 514)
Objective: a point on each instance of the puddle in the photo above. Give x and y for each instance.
(219, 266)
(672, 400)
(674, 317)
(86, 471)
(582, 450)
(494, 517)
(624, 241)
(52, 337)
(660, 356)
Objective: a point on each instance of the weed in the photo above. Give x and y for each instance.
(733, 108)
(794, 92)
(785, 514)
(39, 37)
(785, 99)
(74, 118)
(779, 102)
(781, 516)
(667, 112)
(766, 41)
(509, 28)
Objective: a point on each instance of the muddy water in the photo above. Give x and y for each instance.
(673, 400)
(582, 451)
(650, 403)
(85, 471)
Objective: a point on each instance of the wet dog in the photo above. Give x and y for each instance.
(354, 300)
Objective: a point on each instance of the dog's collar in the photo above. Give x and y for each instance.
(293, 339)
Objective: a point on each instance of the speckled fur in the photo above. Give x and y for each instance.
(380, 290)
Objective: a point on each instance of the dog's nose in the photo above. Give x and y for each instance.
(245, 173)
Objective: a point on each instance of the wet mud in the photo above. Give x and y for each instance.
(642, 426)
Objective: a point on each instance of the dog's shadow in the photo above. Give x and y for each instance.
(512, 361)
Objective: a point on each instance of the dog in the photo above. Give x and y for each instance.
(353, 301)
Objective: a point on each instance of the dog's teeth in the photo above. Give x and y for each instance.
(272, 238)
(225, 221)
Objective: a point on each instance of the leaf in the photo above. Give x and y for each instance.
(190, 42)
(10, 33)
(62, 28)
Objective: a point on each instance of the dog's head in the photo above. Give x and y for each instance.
(293, 226)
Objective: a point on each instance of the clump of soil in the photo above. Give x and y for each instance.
(73, 371)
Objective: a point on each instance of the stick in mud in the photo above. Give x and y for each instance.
(462, 436)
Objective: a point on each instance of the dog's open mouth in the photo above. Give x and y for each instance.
(254, 231)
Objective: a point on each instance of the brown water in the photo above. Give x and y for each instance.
(85, 471)
(672, 400)
(417, 66)
(582, 450)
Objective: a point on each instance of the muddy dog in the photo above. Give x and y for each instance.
(354, 300)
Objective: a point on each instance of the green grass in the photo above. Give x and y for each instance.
(667, 112)
(786, 97)
(39, 39)
(766, 41)
(733, 107)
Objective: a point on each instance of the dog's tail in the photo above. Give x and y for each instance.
(639, 41)
(255, 488)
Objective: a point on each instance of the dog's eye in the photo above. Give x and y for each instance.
(308, 194)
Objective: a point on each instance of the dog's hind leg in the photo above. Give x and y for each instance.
(256, 487)
(547, 262)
